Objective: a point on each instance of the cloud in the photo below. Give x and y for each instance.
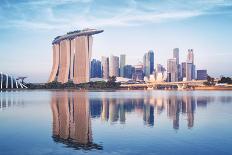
(68, 14)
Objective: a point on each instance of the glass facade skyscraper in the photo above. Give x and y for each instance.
(148, 63)
(122, 64)
(96, 70)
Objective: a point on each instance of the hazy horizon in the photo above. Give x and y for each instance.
(130, 27)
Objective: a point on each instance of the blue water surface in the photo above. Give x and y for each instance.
(116, 122)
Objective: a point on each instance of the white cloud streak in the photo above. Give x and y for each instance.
(68, 14)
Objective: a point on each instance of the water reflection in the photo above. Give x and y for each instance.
(72, 112)
(8, 100)
(71, 120)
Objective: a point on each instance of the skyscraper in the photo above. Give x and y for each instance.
(96, 70)
(148, 63)
(128, 71)
(190, 56)
(176, 56)
(105, 67)
(183, 70)
(138, 73)
(122, 64)
(114, 66)
(190, 68)
(71, 56)
(172, 70)
(189, 71)
(159, 72)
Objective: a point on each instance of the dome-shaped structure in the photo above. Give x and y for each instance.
(9, 82)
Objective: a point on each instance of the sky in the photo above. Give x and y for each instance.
(131, 27)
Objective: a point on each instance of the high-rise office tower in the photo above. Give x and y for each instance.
(105, 67)
(159, 72)
(172, 70)
(193, 72)
(189, 71)
(138, 73)
(71, 56)
(176, 56)
(148, 63)
(190, 56)
(114, 66)
(122, 64)
(128, 71)
(96, 70)
(183, 70)
(190, 60)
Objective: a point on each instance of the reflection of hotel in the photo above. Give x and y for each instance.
(71, 120)
(71, 56)
(72, 112)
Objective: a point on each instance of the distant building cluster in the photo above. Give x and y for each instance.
(72, 63)
(148, 70)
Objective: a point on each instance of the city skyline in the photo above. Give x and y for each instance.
(132, 28)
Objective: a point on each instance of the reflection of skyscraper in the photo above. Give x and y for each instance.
(188, 107)
(173, 111)
(113, 110)
(122, 113)
(105, 109)
(201, 101)
(95, 107)
(71, 120)
(148, 114)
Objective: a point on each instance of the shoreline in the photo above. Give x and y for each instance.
(209, 88)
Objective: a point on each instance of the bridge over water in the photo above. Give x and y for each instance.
(154, 85)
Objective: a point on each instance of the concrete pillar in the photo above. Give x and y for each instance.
(6, 81)
(1, 79)
(16, 83)
(56, 61)
(82, 60)
(64, 61)
(12, 82)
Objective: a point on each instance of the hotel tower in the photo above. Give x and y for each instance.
(71, 56)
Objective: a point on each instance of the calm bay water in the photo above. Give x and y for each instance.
(120, 122)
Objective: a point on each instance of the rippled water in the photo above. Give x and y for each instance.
(120, 122)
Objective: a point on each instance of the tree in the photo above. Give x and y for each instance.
(227, 80)
(111, 83)
(210, 81)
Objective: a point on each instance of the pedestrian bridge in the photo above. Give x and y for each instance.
(152, 85)
(9, 82)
